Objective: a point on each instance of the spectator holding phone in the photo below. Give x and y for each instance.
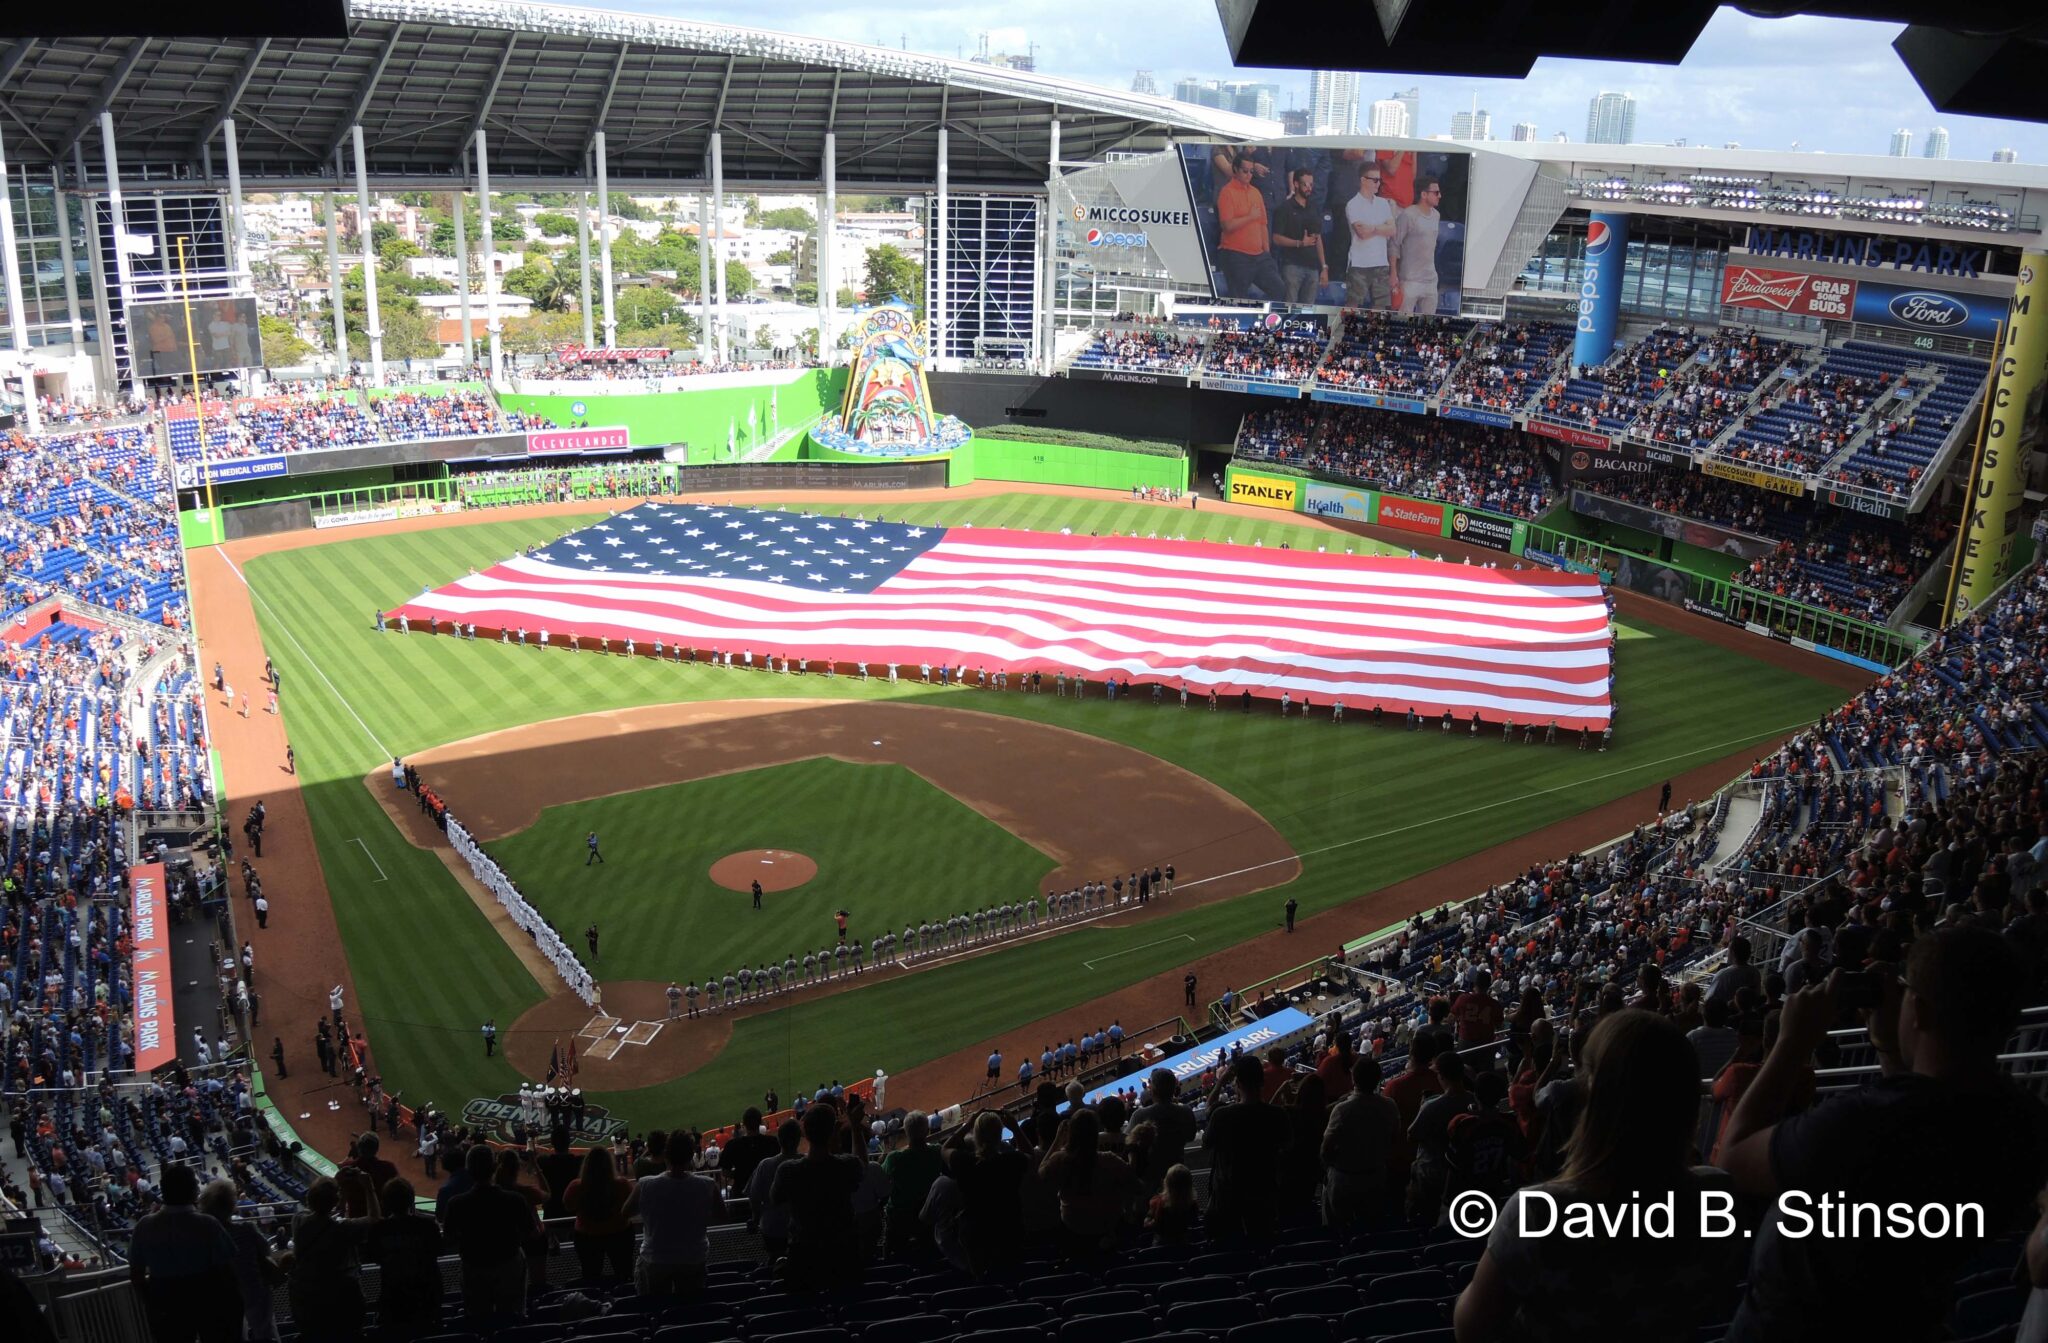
(1942, 1125)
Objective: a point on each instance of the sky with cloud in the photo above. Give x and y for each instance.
(1819, 84)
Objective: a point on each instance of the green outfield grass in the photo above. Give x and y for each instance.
(662, 917)
(1365, 808)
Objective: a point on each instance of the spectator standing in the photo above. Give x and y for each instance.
(1091, 1184)
(405, 1244)
(1942, 1124)
(326, 1280)
(676, 1209)
(912, 1169)
(490, 1227)
(1247, 1139)
(1632, 1145)
(818, 1190)
(1359, 1146)
(1173, 1122)
(182, 1264)
(256, 1271)
(596, 1198)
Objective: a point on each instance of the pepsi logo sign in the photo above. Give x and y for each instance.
(1599, 237)
(1098, 238)
(1920, 308)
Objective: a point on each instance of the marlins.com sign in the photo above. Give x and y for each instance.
(1263, 491)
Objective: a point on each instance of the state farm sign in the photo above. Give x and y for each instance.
(1794, 292)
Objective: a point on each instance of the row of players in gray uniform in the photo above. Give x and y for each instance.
(914, 943)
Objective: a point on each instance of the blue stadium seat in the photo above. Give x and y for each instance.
(1103, 1303)
(1189, 1290)
(1212, 1316)
(1423, 1284)
(1107, 1329)
(1330, 1301)
(1293, 1329)
(1393, 1317)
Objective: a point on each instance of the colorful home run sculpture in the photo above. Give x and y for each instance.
(888, 407)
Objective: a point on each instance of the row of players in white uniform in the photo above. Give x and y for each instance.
(914, 943)
(486, 870)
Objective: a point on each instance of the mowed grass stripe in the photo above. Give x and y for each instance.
(1683, 702)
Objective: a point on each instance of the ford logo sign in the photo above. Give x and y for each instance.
(1925, 309)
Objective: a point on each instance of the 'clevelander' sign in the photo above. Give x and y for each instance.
(498, 1120)
(149, 968)
(543, 442)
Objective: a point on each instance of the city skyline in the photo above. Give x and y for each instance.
(1805, 82)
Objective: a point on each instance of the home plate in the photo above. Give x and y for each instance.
(596, 1026)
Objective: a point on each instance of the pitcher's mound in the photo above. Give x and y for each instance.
(775, 869)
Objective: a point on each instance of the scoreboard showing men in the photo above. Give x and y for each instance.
(1357, 226)
(223, 332)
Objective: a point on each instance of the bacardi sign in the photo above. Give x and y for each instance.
(1794, 292)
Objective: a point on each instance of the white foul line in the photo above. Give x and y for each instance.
(383, 752)
(371, 856)
(1177, 937)
(1489, 806)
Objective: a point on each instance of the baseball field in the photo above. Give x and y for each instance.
(912, 801)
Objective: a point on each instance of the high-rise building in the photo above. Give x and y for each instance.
(1937, 143)
(1294, 121)
(1902, 143)
(1026, 60)
(1525, 132)
(1732, 144)
(1200, 92)
(1474, 125)
(1333, 102)
(1560, 138)
(1251, 100)
(2005, 156)
(1389, 117)
(1611, 119)
(1413, 97)
(1142, 83)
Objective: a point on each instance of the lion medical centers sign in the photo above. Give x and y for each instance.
(149, 965)
(1794, 292)
(1263, 491)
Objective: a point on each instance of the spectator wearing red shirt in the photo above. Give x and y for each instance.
(1476, 1012)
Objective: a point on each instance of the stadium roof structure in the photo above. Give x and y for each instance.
(420, 76)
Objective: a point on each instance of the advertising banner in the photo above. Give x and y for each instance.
(1794, 292)
(1600, 287)
(149, 965)
(544, 442)
(1860, 503)
(1477, 415)
(1351, 502)
(1998, 479)
(1128, 375)
(1565, 433)
(1252, 1039)
(1289, 390)
(1263, 491)
(1742, 475)
(1132, 216)
(195, 475)
(1928, 312)
(1410, 515)
(1658, 523)
(1407, 405)
(1600, 463)
(1651, 579)
(1274, 218)
(1482, 529)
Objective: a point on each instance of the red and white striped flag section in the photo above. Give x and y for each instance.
(1531, 645)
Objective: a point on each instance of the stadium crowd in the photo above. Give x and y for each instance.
(1377, 352)
(1858, 570)
(1506, 364)
(1469, 465)
(334, 419)
(1152, 350)
(1267, 356)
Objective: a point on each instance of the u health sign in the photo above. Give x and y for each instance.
(547, 442)
(1263, 491)
(1794, 292)
(149, 966)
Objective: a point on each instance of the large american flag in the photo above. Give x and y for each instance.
(1531, 645)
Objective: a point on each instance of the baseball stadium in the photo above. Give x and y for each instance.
(1037, 713)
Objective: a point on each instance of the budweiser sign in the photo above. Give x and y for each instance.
(1794, 292)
